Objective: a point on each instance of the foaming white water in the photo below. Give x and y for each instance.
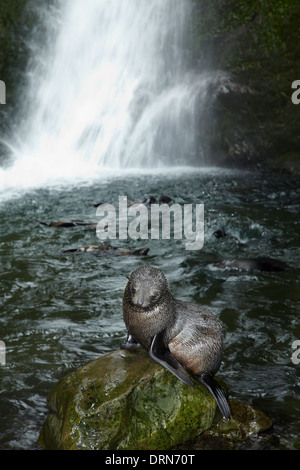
(109, 90)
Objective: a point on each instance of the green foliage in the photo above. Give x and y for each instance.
(13, 49)
(11, 12)
(266, 19)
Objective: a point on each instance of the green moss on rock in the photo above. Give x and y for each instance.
(124, 400)
(245, 422)
(240, 432)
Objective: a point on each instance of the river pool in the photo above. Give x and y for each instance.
(60, 311)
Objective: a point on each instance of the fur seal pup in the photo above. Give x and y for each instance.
(108, 250)
(221, 233)
(72, 223)
(255, 264)
(179, 335)
(152, 200)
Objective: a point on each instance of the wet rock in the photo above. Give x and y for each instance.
(239, 432)
(125, 400)
(286, 162)
(245, 422)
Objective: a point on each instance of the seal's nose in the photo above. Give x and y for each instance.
(140, 303)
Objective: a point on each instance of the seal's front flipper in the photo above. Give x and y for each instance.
(131, 343)
(160, 353)
(217, 392)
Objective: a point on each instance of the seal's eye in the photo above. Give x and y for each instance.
(133, 290)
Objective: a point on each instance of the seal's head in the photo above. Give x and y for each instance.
(147, 285)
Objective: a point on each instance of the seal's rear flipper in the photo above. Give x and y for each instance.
(161, 354)
(47, 224)
(217, 392)
(140, 252)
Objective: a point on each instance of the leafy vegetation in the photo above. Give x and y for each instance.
(268, 21)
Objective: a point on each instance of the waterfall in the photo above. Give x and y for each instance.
(109, 89)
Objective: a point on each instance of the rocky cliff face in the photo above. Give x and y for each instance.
(255, 50)
(18, 23)
(16, 18)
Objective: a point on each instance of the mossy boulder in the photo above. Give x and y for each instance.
(245, 422)
(238, 433)
(124, 400)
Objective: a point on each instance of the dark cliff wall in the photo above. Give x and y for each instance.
(255, 47)
(16, 21)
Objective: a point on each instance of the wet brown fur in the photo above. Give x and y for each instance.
(192, 333)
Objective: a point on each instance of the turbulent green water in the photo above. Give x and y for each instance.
(59, 311)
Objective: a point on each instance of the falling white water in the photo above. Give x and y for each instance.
(108, 90)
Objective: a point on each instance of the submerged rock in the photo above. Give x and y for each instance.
(125, 400)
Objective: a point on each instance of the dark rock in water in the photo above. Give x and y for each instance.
(220, 233)
(255, 264)
(124, 400)
(152, 200)
(165, 199)
(72, 223)
(108, 250)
